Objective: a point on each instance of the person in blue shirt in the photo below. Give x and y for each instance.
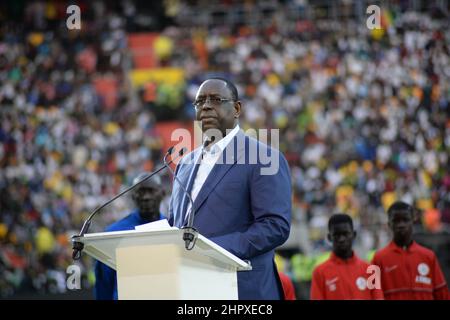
(147, 198)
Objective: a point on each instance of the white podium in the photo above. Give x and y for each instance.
(156, 265)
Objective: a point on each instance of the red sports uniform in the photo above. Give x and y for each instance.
(288, 287)
(411, 274)
(338, 279)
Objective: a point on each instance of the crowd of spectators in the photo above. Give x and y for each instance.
(363, 118)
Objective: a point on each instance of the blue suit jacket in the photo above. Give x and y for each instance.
(105, 277)
(241, 210)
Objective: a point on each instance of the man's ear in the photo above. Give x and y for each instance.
(354, 235)
(237, 109)
(329, 237)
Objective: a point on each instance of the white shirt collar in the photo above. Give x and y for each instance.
(222, 143)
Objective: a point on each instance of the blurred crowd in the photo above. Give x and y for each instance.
(66, 147)
(363, 118)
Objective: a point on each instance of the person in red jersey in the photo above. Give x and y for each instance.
(344, 276)
(408, 270)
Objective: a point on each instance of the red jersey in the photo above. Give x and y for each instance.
(410, 274)
(288, 287)
(338, 279)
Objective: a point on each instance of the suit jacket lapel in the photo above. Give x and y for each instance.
(236, 150)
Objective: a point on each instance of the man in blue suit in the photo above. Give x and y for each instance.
(147, 197)
(241, 200)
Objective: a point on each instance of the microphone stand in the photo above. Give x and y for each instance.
(78, 246)
(190, 233)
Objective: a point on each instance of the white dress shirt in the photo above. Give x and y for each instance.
(209, 159)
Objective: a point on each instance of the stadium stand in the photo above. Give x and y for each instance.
(364, 116)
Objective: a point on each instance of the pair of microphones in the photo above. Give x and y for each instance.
(190, 234)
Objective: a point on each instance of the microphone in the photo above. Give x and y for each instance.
(78, 246)
(190, 234)
(182, 151)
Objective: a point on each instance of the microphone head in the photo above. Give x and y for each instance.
(170, 150)
(208, 141)
(182, 151)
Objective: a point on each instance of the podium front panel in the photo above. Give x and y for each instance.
(169, 271)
